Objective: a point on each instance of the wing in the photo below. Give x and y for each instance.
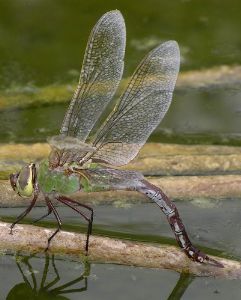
(67, 149)
(67, 143)
(141, 107)
(100, 75)
(99, 78)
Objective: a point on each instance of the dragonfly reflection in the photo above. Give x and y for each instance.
(46, 288)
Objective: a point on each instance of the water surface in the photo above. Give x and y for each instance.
(42, 44)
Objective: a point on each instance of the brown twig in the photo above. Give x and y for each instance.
(106, 250)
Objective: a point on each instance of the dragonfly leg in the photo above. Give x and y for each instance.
(23, 214)
(171, 212)
(58, 221)
(71, 203)
(50, 210)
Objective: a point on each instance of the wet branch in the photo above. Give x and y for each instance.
(106, 250)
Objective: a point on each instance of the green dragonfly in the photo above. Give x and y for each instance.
(83, 162)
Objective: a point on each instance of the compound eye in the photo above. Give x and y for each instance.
(13, 180)
(24, 183)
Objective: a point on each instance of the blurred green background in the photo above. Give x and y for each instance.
(43, 42)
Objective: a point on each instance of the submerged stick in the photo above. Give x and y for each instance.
(106, 250)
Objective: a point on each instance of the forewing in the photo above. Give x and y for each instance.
(100, 75)
(67, 149)
(141, 108)
(68, 143)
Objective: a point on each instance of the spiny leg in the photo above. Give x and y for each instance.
(47, 214)
(58, 221)
(171, 212)
(68, 201)
(23, 214)
(82, 205)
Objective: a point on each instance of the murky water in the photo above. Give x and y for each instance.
(45, 40)
(207, 117)
(52, 278)
(139, 222)
(42, 44)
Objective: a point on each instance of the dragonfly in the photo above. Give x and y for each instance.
(82, 161)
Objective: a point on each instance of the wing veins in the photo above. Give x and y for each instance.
(149, 93)
(85, 92)
(120, 108)
(104, 53)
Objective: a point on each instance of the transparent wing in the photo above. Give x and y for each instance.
(67, 143)
(141, 108)
(113, 179)
(67, 149)
(100, 75)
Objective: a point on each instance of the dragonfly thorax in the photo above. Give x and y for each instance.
(54, 159)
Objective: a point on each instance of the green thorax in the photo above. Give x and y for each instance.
(90, 178)
(57, 180)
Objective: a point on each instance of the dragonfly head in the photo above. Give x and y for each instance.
(23, 182)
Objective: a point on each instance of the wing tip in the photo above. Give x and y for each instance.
(114, 14)
(114, 19)
(170, 44)
(171, 48)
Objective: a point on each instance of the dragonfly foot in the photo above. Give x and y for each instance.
(11, 229)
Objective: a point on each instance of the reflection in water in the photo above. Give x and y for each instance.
(50, 284)
(183, 283)
(45, 288)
